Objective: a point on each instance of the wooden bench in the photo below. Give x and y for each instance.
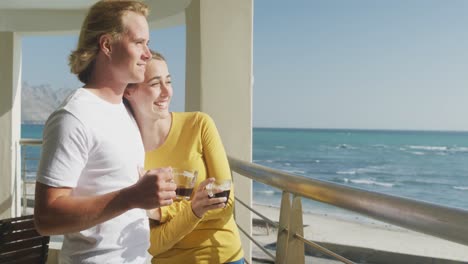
(21, 243)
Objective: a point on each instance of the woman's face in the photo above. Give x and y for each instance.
(153, 96)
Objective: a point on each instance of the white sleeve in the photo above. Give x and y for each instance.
(65, 149)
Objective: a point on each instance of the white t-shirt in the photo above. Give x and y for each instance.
(95, 147)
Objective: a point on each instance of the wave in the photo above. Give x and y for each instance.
(266, 192)
(294, 171)
(288, 162)
(365, 170)
(463, 188)
(426, 182)
(280, 147)
(345, 146)
(369, 182)
(461, 149)
(439, 149)
(380, 146)
(347, 172)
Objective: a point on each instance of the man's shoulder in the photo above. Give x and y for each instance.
(87, 107)
(77, 99)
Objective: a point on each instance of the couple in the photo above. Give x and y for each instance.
(88, 183)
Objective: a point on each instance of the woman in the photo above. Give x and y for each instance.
(201, 230)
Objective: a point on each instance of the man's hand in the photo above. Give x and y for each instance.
(155, 188)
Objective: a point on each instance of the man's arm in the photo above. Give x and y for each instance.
(57, 212)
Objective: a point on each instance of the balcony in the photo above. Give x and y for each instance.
(400, 230)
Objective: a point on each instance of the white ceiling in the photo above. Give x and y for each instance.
(34, 16)
(46, 4)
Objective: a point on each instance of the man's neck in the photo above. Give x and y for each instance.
(104, 82)
(108, 94)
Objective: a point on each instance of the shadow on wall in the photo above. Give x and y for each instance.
(5, 205)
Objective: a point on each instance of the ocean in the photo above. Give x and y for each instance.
(431, 166)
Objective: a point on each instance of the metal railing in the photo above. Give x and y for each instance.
(435, 220)
(30, 154)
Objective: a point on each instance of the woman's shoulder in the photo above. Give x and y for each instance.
(194, 116)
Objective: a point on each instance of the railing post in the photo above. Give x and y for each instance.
(283, 230)
(22, 176)
(18, 181)
(296, 246)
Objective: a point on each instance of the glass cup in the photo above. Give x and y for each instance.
(219, 188)
(185, 180)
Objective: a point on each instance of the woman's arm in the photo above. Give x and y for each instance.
(217, 166)
(216, 163)
(165, 235)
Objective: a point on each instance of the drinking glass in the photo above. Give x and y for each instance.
(185, 180)
(219, 188)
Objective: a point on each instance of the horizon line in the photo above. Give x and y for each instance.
(363, 129)
(323, 128)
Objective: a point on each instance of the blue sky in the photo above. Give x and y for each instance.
(328, 63)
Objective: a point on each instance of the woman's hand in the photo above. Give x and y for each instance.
(201, 202)
(154, 214)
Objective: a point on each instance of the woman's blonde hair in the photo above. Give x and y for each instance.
(157, 56)
(104, 17)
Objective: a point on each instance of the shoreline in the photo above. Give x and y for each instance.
(369, 234)
(336, 213)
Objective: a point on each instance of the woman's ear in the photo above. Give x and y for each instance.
(129, 91)
(105, 44)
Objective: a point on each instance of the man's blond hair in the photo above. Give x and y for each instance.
(104, 17)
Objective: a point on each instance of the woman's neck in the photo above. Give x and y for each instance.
(154, 132)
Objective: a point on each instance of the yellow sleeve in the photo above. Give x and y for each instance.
(165, 235)
(168, 212)
(217, 166)
(216, 162)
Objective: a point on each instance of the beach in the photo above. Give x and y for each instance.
(364, 239)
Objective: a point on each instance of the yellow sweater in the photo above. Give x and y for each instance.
(193, 142)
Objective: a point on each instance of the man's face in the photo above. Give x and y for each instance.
(130, 53)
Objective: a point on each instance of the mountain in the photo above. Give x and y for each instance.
(39, 101)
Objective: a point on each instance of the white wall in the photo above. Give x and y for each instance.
(219, 82)
(10, 121)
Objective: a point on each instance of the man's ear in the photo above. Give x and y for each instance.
(105, 44)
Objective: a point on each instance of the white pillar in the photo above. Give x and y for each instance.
(219, 82)
(10, 122)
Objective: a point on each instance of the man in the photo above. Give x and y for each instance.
(88, 183)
